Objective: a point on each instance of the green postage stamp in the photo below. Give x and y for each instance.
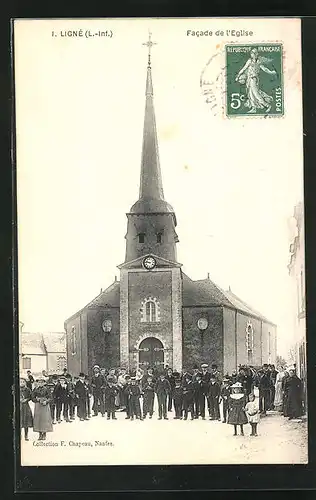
(254, 80)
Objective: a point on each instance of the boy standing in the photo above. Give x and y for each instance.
(162, 389)
(88, 394)
(188, 396)
(110, 392)
(53, 387)
(134, 394)
(97, 384)
(149, 397)
(225, 392)
(178, 399)
(213, 398)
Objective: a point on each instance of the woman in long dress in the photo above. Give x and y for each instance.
(237, 402)
(25, 411)
(294, 391)
(42, 414)
(250, 75)
(278, 398)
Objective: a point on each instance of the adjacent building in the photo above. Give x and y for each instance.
(42, 351)
(297, 272)
(156, 315)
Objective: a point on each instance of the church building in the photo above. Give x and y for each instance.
(155, 315)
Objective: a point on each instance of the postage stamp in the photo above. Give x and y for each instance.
(254, 80)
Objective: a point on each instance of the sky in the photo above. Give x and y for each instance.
(233, 183)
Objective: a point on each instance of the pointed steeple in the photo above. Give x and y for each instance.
(151, 220)
(150, 176)
(151, 195)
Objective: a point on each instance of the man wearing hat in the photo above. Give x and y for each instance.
(110, 392)
(264, 387)
(97, 384)
(213, 398)
(205, 378)
(52, 386)
(188, 395)
(81, 393)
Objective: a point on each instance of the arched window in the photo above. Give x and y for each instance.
(249, 342)
(73, 342)
(150, 312)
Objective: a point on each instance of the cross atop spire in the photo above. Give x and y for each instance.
(149, 44)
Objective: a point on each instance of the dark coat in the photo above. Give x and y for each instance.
(293, 388)
(81, 390)
(25, 410)
(177, 394)
(97, 383)
(264, 381)
(225, 393)
(199, 388)
(149, 389)
(205, 382)
(162, 387)
(133, 392)
(109, 397)
(188, 393)
(214, 390)
(60, 393)
(30, 381)
(237, 414)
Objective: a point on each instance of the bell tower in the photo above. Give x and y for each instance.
(151, 220)
(150, 277)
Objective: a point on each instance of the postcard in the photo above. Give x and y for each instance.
(161, 260)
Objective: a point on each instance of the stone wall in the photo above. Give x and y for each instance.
(209, 349)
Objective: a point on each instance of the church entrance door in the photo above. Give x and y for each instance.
(151, 354)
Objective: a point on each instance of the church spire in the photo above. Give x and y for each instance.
(150, 176)
(151, 220)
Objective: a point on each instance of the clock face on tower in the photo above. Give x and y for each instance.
(149, 262)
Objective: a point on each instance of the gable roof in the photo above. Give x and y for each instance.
(206, 293)
(110, 297)
(32, 343)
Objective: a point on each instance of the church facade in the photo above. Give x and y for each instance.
(155, 315)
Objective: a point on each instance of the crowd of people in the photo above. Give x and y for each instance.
(230, 398)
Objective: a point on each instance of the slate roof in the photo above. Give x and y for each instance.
(206, 293)
(108, 297)
(32, 343)
(194, 293)
(55, 342)
(202, 293)
(41, 344)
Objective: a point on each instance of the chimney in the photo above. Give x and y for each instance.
(208, 276)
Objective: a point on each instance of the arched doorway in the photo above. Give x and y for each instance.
(151, 354)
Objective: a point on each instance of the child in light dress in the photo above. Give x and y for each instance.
(252, 412)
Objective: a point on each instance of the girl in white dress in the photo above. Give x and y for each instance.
(252, 412)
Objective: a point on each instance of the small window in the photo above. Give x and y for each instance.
(141, 237)
(26, 363)
(159, 237)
